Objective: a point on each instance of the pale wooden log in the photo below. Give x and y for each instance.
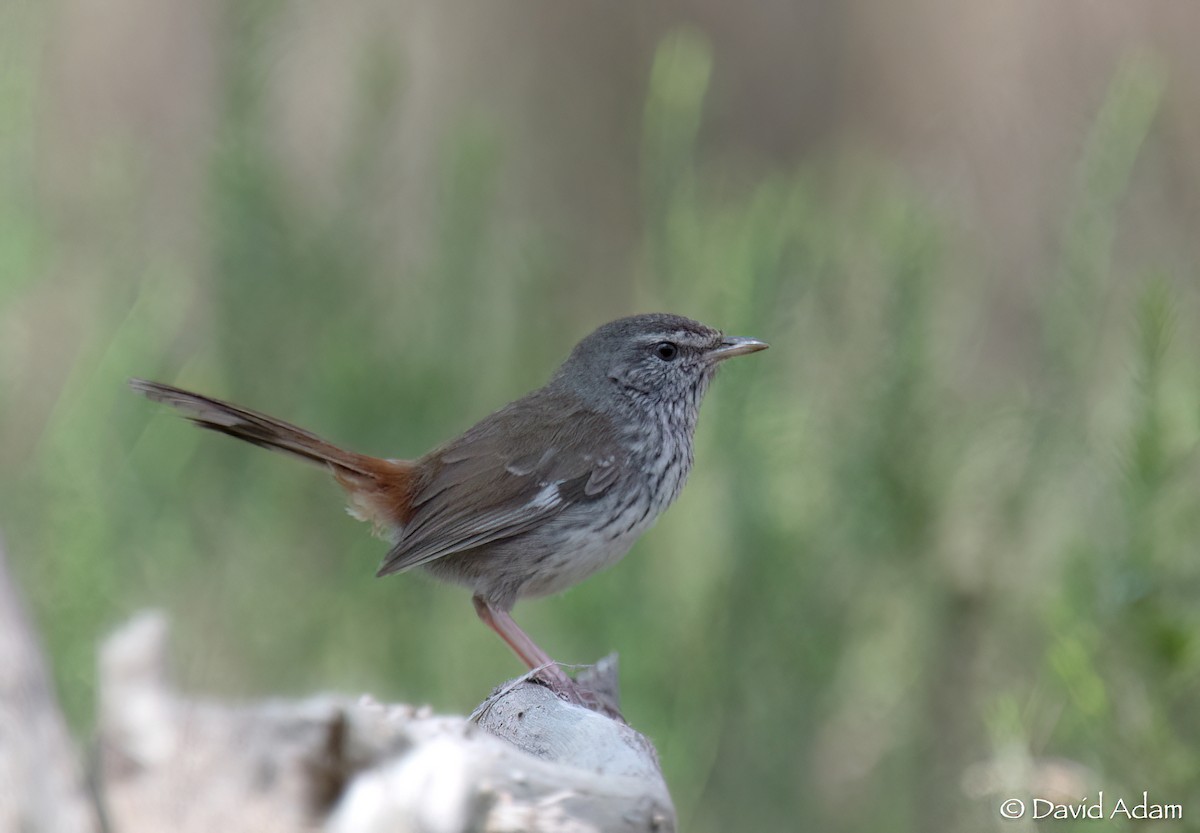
(528, 762)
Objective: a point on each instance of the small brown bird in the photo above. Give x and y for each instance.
(541, 494)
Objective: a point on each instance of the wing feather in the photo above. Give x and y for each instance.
(506, 476)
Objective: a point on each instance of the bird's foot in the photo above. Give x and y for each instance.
(592, 688)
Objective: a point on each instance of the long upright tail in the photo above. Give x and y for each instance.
(379, 489)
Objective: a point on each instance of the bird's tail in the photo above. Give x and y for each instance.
(379, 490)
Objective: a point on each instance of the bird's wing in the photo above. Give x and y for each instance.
(509, 474)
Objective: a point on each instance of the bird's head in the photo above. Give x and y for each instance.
(654, 358)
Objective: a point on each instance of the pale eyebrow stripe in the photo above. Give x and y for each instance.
(672, 335)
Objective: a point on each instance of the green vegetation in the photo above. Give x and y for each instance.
(903, 566)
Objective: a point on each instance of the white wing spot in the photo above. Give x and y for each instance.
(547, 497)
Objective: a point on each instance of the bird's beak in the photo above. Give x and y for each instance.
(731, 346)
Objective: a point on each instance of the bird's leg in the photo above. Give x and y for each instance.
(546, 669)
(534, 657)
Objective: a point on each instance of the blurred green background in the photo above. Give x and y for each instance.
(941, 543)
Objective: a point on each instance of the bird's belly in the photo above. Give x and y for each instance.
(578, 550)
(590, 538)
(581, 541)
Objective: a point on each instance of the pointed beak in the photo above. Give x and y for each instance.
(731, 346)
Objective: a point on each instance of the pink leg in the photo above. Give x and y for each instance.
(524, 647)
(539, 661)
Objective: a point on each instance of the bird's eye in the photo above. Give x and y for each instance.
(666, 351)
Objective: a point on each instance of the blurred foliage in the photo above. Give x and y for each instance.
(890, 594)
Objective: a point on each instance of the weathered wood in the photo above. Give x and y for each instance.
(529, 762)
(41, 784)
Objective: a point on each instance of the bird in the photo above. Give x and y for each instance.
(542, 493)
